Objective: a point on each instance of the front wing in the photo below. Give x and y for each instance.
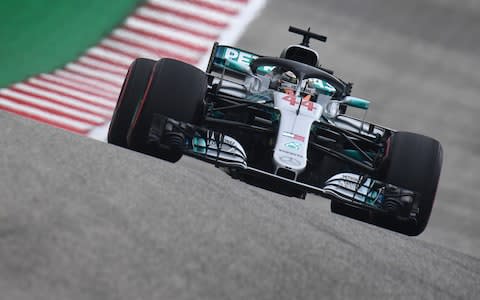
(224, 151)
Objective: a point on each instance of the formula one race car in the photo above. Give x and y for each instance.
(280, 123)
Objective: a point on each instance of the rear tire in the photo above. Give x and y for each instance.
(414, 163)
(132, 91)
(176, 90)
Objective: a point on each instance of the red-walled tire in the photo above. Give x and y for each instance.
(131, 93)
(176, 90)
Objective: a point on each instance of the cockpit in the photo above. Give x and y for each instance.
(293, 78)
(309, 89)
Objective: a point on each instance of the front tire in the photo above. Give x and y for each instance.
(414, 163)
(176, 90)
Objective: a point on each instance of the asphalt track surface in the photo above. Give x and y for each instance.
(419, 62)
(81, 219)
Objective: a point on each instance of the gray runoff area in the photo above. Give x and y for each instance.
(81, 219)
(419, 62)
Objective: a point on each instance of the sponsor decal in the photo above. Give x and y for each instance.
(294, 136)
(350, 177)
(293, 145)
(299, 137)
(290, 153)
(290, 160)
(348, 185)
(239, 56)
(236, 58)
(348, 181)
(265, 69)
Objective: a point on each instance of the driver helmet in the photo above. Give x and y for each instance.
(288, 82)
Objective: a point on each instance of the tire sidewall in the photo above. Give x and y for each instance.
(133, 89)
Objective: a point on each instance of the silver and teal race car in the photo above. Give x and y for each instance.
(280, 123)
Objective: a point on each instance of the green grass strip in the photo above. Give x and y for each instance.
(41, 35)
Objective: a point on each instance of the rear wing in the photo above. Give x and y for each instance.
(234, 63)
(230, 61)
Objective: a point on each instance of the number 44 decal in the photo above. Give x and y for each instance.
(305, 101)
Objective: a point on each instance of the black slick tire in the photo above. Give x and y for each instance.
(176, 90)
(414, 163)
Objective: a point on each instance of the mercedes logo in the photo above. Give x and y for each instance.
(289, 160)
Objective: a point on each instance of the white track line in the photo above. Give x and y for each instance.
(78, 86)
(156, 43)
(191, 8)
(181, 36)
(232, 5)
(178, 21)
(53, 106)
(62, 99)
(110, 67)
(74, 93)
(134, 51)
(79, 126)
(114, 79)
(107, 54)
(115, 89)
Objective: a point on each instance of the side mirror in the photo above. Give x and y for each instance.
(357, 102)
